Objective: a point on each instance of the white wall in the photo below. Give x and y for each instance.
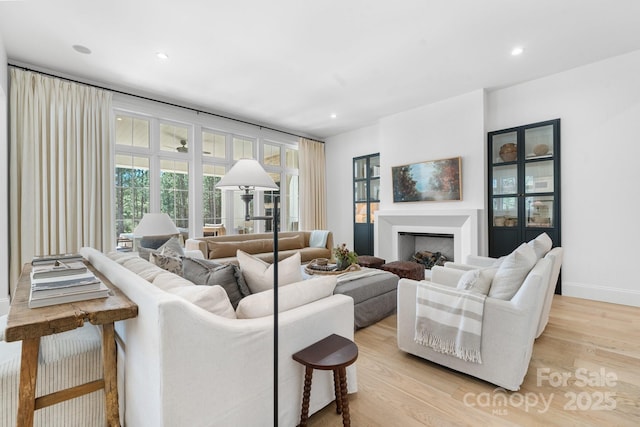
(451, 128)
(340, 151)
(4, 167)
(599, 108)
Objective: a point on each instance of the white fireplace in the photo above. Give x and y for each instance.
(462, 224)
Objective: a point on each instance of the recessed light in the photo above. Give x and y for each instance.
(162, 55)
(517, 51)
(81, 49)
(334, 115)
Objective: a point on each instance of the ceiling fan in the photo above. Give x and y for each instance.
(182, 148)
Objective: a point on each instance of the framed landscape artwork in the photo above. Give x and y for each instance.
(433, 180)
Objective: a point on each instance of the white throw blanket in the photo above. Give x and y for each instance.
(449, 321)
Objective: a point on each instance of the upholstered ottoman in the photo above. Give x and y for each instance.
(370, 261)
(374, 294)
(405, 269)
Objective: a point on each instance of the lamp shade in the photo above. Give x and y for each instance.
(155, 224)
(247, 174)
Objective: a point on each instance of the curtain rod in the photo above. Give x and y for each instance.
(161, 102)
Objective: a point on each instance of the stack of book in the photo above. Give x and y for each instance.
(64, 278)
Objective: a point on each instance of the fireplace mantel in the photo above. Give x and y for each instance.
(461, 223)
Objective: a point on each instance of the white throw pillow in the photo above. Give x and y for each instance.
(169, 281)
(512, 272)
(541, 245)
(259, 274)
(477, 281)
(214, 299)
(289, 297)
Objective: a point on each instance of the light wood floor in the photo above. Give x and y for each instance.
(587, 341)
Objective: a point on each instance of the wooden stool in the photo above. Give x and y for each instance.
(333, 353)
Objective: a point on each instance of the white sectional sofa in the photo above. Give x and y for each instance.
(182, 365)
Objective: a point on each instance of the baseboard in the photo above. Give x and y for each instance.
(602, 293)
(4, 306)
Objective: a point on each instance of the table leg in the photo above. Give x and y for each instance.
(304, 416)
(28, 375)
(336, 385)
(346, 419)
(109, 360)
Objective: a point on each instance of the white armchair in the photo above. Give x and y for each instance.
(508, 329)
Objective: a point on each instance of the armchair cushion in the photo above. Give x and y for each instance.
(541, 244)
(477, 281)
(512, 271)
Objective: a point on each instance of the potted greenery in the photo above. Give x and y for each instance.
(344, 257)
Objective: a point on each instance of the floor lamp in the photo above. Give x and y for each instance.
(247, 175)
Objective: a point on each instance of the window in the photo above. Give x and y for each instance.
(174, 191)
(132, 191)
(172, 164)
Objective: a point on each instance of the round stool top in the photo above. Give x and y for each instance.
(330, 353)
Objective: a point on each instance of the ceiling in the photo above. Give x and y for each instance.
(291, 64)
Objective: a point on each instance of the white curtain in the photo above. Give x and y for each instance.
(313, 192)
(60, 166)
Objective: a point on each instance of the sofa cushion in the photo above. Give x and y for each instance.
(228, 249)
(259, 274)
(290, 243)
(477, 281)
(209, 273)
(142, 268)
(541, 244)
(170, 263)
(289, 297)
(512, 272)
(173, 244)
(168, 281)
(214, 299)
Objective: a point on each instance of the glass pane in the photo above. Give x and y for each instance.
(214, 145)
(242, 148)
(291, 211)
(539, 211)
(504, 147)
(212, 202)
(268, 202)
(291, 158)
(374, 208)
(132, 132)
(174, 138)
(538, 142)
(539, 177)
(374, 165)
(131, 194)
(174, 191)
(361, 213)
(505, 211)
(505, 180)
(360, 169)
(271, 155)
(361, 190)
(375, 189)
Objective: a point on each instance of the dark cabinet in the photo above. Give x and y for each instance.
(366, 200)
(524, 185)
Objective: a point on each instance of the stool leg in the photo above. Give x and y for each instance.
(336, 385)
(346, 419)
(304, 416)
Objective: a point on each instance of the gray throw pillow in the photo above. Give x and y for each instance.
(172, 245)
(209, 273)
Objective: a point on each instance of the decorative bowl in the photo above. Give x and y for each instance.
(509, 152)
(540, 149)
(322, 261)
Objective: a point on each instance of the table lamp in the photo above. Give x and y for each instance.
(247, 175)
(155, 224)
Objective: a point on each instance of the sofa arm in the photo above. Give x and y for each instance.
(197, 244)
(480, 261)
(459, 266)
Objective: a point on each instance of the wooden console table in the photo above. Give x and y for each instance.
(29, 325)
